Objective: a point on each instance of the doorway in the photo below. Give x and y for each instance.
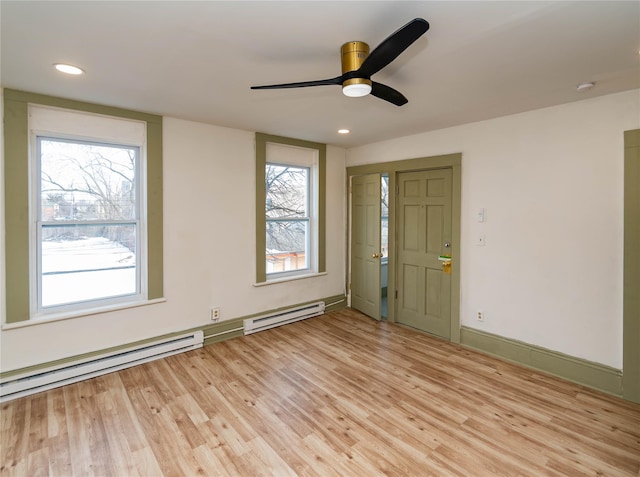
(378, 283)
(384, 245)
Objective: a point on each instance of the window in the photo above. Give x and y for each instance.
(83, 215)
(88, 224)
(290, 201)
(86, 219)
(289, 231)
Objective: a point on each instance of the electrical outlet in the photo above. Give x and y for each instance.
(215, 313)
(480, 316)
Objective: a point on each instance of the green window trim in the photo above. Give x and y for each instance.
(261, 232)
(16, 183)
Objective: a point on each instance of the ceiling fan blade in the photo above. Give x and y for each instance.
(390, 49)
(387, 93)
(302, 84)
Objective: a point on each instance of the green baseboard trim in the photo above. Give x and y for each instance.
(234, 328)
(577, 370)
(213, 333)
(335, 303)
(36, 368)
(223, 331)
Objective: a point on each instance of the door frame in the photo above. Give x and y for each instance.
(450, 161)
(631, 267)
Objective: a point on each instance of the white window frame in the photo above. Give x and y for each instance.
(287, 155)
(78, 126)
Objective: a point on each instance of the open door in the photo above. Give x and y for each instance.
(365, 245)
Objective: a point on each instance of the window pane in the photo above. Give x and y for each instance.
(87, 262)
(286, 188)
(85, 181)
(286, 245)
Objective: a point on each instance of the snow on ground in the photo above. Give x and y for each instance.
(84, 254)
(94, 264)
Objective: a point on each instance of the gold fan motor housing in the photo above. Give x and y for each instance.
(353, 55)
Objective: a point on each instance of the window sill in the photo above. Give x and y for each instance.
(66, 315)
(289, 279)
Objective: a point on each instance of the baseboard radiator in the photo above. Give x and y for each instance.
(41, 380)
(260, 323)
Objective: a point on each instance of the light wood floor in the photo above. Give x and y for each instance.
(334, 395)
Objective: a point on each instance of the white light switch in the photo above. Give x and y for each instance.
(481, 215)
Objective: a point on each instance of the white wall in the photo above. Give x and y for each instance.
(209, 254)
(551, 182)
(550, 273)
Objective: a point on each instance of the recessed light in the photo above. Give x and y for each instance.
(343, 131)
(68, 69)
(585, 86)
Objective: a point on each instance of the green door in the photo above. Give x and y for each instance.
(365, 244)
(424, 233)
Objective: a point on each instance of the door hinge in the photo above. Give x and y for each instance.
(396, 294)
(397, 189)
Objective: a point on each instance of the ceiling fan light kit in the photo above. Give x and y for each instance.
(353, 55)
(356, 87)
(358, 65)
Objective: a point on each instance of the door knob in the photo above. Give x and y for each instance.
(375, 255)
(447, 245)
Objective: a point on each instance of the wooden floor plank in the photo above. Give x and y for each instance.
(338, 394)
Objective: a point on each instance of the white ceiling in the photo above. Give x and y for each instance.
(197, 59)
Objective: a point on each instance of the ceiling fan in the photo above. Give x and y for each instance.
(358, 65)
